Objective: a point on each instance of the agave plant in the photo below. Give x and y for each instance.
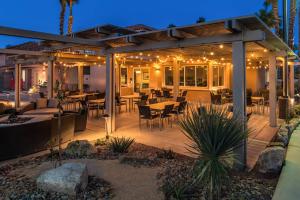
(120, 145)
(214, 135)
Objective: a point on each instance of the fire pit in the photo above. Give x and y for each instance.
(14, 119)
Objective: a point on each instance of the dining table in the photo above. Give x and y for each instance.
(130, 98)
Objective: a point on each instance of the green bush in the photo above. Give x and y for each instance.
(215, 136)
(120, 145)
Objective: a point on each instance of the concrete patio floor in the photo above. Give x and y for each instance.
(172, 138)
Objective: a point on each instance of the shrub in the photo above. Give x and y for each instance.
(166, 154)
(120, 145)
(214, 136)
(101, 142)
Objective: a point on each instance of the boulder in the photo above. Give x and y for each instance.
(271, 160)
(282, 136)
(80, 148)
(69, 179)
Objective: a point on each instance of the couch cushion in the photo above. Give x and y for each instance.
(52, 103)
(41, 103)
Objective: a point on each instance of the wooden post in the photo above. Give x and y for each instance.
(285, 77)
(110, 93)
(17, 85)
(272, 90)
(176, 78)
(50, 80)
(118, 77)
(210, 76)
(239, 95)
(80, 78)
(292, 80)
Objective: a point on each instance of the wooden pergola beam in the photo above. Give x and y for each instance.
(133, 40)
(21, 52)
(246, 36)
(45, 36)
(173, 33)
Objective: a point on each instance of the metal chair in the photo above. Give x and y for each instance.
(146, 114)
(167, 114)
(153, 101)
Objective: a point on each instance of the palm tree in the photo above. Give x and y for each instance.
(292, 23)
(267, 15)
(63, 4)
(274, 4)
(70, 22)
(200, 20)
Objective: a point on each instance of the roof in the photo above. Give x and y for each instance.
(206, 29)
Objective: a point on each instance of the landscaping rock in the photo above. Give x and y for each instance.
(271, 160)
(69, 178)
(80, 148)
(282, 136)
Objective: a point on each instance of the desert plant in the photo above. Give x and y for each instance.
(215, 135)
(120, 145)
(166, 154)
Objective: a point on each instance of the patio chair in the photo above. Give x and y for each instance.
(146, 114)
(166, 94)
(180, 99)
(158, 94)
(180, 109)
(153, 101)
(144, 98)
(216, 98)
(120, 103)
(167, 114)
(184, 93)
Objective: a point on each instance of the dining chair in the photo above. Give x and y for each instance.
(144, 98)
(184, 93)
(180, 99)
(120, 103)
(153, 101)
(180, 109)
(146, 114)
(166, 114)
(166, 94)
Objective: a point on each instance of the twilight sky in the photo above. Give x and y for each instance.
(44, 15)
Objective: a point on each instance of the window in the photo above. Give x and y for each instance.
(181, 72)
(201, 76)
(168, 76)
(218, 76)
(123, 76)
(194, 76)
(190, 76)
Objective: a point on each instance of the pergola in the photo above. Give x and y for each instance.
(239, 38)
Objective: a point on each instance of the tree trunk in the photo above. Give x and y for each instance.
(62, 18)
(292, 23)
(276, 16)
(70, 23)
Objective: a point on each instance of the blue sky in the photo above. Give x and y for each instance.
(44, 15)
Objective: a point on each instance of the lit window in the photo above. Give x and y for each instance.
(190, 76)
(201, 76)
(218, 76)
(168, 76)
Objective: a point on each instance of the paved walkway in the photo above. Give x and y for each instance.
(289, 180)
